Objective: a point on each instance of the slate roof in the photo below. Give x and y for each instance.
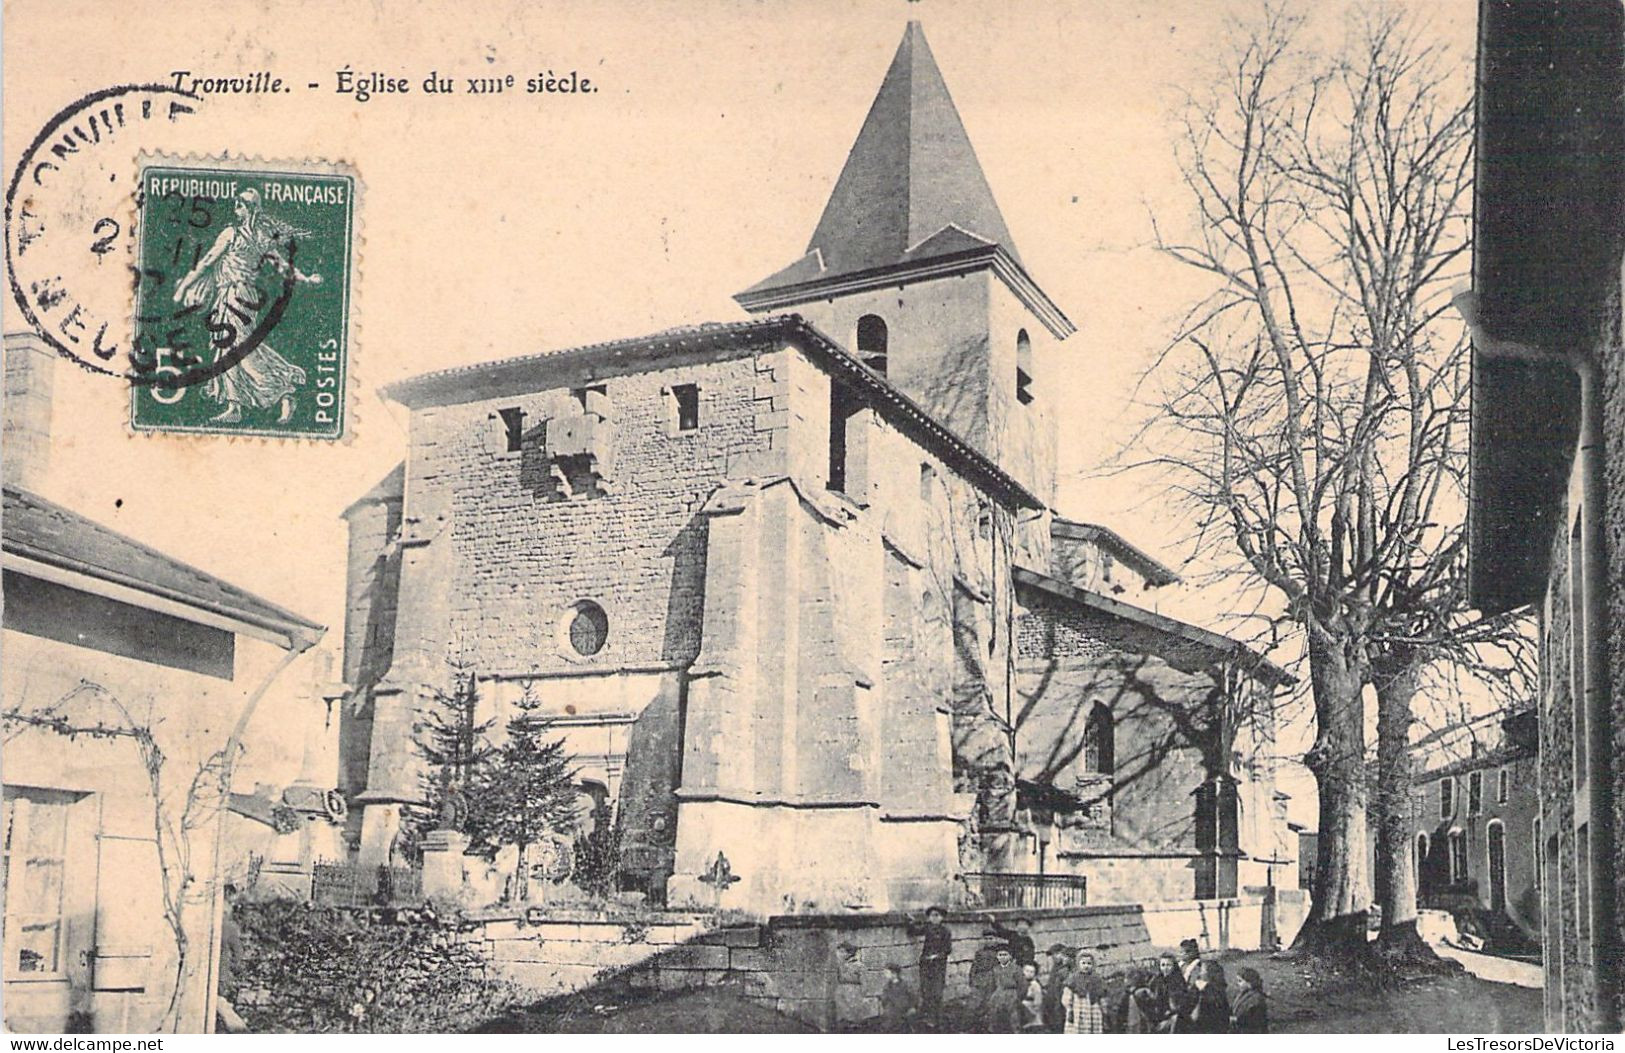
(1205, 644)
(1152, 569)
(912, 194)
(911, 174)
(48, 533)
(530, 373)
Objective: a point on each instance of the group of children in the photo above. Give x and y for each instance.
(1014, 991)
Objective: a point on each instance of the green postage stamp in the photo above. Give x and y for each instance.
(243, 298)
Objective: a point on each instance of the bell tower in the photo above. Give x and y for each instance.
(913, 270)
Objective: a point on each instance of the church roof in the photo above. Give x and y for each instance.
(591, 363)
(1146, 565)
(911, 174)
(912, 194)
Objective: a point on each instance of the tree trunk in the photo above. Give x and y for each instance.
(1394, 676)
(1342, 894)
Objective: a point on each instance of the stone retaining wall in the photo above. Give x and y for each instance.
(788, 963)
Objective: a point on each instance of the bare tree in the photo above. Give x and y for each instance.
(1312, 407)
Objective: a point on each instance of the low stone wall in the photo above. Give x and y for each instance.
(788, 963)
(569, 950)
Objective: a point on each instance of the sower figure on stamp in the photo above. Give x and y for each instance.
(224, 279)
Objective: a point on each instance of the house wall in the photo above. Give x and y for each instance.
(118, 955)
(1611, 356)
(1570, 991)
(1517, 819)
(1140, 843)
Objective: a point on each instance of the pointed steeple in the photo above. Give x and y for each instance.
(912, 189)
(911, 174)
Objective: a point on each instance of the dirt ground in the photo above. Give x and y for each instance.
(1299, 1002)
(1304, 1002)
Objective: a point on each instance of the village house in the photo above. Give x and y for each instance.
(1478, 830)
(115, 654)
(795, 592)
(1547, 510)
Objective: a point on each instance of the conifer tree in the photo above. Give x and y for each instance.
(526, 791)
(454, 746)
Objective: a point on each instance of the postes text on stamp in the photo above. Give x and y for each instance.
(243, 298)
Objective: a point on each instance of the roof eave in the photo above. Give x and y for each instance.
(1547, 200)
(448, 387)
(991, 257)
(1221, 646)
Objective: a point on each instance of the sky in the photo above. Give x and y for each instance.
(499, 226)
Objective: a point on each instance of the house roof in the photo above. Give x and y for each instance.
(530, 373)
(911, 196)
(1153, 570)
(1493, 758)
(46, 535)
(1211, 646)
(1549, 222)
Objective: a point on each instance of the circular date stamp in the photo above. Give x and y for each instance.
(69, 219)
(218, 288)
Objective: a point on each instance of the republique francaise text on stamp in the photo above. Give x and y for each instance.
(244, 297)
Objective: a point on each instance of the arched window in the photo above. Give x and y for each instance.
(1421, 861)
(1099, 741)
(1458, 857)
(1495, 863)
(872, 342)
(1024, 368)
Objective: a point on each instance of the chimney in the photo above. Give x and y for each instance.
(25, 445)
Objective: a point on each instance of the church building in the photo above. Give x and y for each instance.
(794, 590)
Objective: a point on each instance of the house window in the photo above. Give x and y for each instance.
(1024, 368)
(1582, 889)
(1537, 848)
(1475, 793)
(1458, 857)
(513, 428)
(1099, 741)
(1447, 797)
(686, 401)
(36, 836)
(1421, 860)
(586, 629)
(1577, 652)
(928, 481)
(872, 342)
(1503, 785)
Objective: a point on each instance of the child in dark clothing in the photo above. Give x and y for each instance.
(1208, 1012)
(1248, 1013)
(896, 1002)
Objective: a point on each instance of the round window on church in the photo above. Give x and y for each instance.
(586, 629)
